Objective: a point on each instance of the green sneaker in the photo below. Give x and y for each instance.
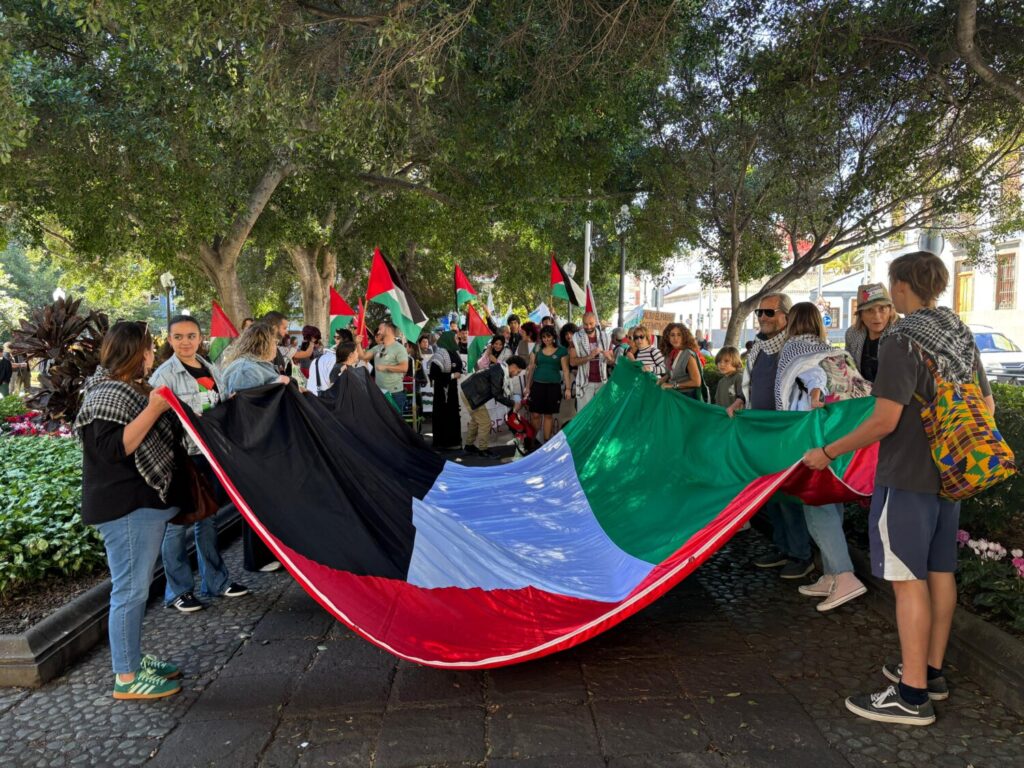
(146, 685)
(159, 668)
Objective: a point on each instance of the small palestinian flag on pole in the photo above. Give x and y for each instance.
(563, 286)
(463, 290)
(360, 328)
(389, 289)
(591, 305)
(480, 337)
(342, 314)
(221, 332)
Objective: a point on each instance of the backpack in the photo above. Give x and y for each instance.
(970, 453)
(844, 380)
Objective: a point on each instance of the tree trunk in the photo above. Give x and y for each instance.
(316, 268)
(736, 320)
(223, 273)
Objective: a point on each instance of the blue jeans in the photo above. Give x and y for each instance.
(213, 574)
(132, 543)
(400, 400)
(825, 524)
(789, 528)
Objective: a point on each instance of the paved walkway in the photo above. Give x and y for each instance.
(733, 668)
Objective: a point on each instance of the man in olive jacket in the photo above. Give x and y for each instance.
(493, 383)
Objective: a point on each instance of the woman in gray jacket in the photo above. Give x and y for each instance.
(197, 383)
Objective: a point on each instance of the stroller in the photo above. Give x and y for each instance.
(524, 436)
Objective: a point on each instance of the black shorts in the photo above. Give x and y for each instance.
(545, 398)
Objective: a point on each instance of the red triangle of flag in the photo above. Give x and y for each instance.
(360, 329)
(475, 324)
(380, 276)
(339, 306)
(220, 325)
(462, 282)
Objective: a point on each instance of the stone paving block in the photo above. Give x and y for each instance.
(417, 686)
(244, 696)
(655, 726)
(342, 688)
(741, 674)
(546, 680)
(631, 678)
(358, 652)
(677, 760)
(340, 741)
(415, 737)
(292, 656)
(549, 731)
(294, 599)
(214, 743)
(282, 626)
(758, 722)
(785, 758)
(582, 761)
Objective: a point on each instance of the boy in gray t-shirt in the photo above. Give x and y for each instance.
(911, 527)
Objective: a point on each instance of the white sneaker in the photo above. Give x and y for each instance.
(271, 567)
(821, 588)
(847, 587)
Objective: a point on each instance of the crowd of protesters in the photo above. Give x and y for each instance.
(137, 492)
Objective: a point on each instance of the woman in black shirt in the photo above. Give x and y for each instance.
(130, 491)
(874, 314)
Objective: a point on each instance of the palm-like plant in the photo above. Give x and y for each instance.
(67, 344)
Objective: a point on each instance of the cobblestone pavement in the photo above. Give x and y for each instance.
(732, 669)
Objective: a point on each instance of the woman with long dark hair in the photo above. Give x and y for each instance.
(130, 490)
(547, 379)
(682, 359)
(445, 369)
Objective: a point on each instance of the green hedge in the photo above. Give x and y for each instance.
(12, 405)
(41, 529)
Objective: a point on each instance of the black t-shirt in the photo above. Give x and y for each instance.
(904, 455)
(868, 362)
(111, 484)
(207, 384)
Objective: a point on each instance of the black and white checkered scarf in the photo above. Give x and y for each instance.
(943, 337)
(116, 401)
(795, 348)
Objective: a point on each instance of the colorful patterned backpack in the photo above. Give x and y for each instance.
(966, 446)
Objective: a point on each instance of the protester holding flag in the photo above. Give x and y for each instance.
(547, 382)
(646, 353)
(494, 383)
(591, 352)
(683, 359)
(197, 383)
(390, 362)
(444, 369)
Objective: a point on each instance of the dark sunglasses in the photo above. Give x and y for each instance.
(765, 312)
(639, 338)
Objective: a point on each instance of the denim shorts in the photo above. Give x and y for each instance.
(912, 534)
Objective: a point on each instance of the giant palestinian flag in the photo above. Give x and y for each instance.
(454, 566)
(563, 286)
(389, 289)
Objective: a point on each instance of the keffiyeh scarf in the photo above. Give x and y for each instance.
(943, 337)
(111, 400)
(795, 348)
(855, 340)
(770, 346)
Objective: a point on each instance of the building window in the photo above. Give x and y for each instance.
(853, 310)
(963, 296)
(726, 313)
(1006, 280)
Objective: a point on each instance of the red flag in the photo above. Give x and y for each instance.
(591, 305)
(463, 290)
(220, 325)
(360, 332)
(475, 324)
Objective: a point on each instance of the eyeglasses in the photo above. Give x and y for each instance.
(639, 338)
(766, 312)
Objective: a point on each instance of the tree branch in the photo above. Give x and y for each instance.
(231, 246)
(966, 32)
(410, 186)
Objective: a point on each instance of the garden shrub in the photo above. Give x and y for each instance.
(12, 405)
(41, 530)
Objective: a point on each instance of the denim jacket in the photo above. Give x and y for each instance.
(247, 373)
(172, 374)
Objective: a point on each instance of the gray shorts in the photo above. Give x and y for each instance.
(912, 534)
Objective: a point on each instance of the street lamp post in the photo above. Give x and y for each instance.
(622, 222)
(167, 281)
(570, 270)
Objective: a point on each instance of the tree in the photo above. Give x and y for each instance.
(996, 40)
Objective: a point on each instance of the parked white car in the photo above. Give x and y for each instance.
(1002, 359)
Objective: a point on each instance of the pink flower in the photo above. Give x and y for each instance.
(1018, 563)
(962, 537)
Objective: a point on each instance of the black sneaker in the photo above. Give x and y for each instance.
(889, 707)
(186, 603)
(937, 688)
(471, 449)
(234, 589)
(796, 569)
(773, 559)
